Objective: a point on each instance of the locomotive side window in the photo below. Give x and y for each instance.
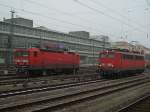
(131, 57)
(139, 57)
(128, 57)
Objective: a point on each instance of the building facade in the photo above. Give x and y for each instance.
(131, 47)
(25, 36)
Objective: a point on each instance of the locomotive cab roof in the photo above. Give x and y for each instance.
(124, 51)
(45, 49)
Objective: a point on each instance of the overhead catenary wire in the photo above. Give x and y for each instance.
(47, 22)
(41, 15)
(116, 12)
(67, 14)
(96, 2)
(67, 22)
(109, 16)
(52, 18)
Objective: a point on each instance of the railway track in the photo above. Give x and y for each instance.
(75, 94)
(50, 87)
(45, 88)
(21, 79)
(9, 78)
(17, 79)
(140, 105)
(9, 69)
(32, 82)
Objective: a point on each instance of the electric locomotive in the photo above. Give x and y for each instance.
(45, 61)
(115, 62)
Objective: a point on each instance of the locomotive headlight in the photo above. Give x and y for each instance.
(110, 65)
(17, 60)
(102, 64)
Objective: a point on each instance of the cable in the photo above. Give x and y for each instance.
(148, 2)
(55, 19)
(54, 25)
(104, 14)
(38, 14)
(114, 11)
(61, 12)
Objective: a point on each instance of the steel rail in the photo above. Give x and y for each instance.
(86, 95)
(51, 87)
(132, 104)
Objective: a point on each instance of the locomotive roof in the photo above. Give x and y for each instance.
(123, 52)
(56, 50)
(44, 49)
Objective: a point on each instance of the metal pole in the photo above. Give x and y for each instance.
(104, 44)
(76, 48)
(10, 37)
(92, 50)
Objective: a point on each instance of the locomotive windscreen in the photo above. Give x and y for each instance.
(21, 53)
(106, 55)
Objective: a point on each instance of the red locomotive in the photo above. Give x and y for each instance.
(119, 62)
(43, 61)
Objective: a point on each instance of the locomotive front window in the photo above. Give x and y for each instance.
(102, 55)
(110, 55)
(21, 53)
(107, 55)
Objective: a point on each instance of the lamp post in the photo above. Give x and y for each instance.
(92, 48)
(104, 44)
(93, 51)
(76, 51)
(10, 38)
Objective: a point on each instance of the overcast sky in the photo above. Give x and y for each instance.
(127, 20)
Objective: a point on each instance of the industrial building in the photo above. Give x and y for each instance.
(20, 33)
(130, 46)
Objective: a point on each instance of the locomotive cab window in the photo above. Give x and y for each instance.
(21, 53)
(102, 55)
(107, 55)
(111, 55)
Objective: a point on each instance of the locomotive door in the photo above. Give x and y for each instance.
(35, 58)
